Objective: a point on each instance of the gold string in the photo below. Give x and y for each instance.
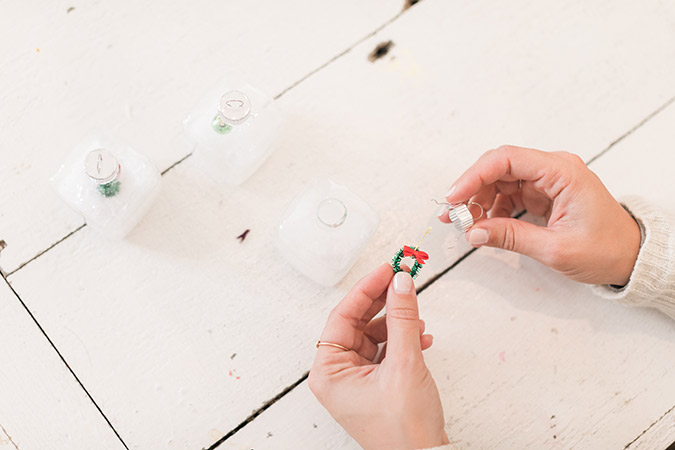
(425, 235)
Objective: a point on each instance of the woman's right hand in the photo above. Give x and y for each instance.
(589, 237)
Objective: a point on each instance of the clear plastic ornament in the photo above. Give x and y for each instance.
(325, 229)
(109, 183)
(232, 131)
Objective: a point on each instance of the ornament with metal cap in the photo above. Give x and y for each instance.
(102, 167)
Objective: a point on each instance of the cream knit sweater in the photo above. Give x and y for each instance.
(652, 283)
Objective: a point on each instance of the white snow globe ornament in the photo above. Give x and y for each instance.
(109, 184)
(232, 131)
(325, 229)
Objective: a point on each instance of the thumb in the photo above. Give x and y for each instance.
(511, 234)
(403, 333)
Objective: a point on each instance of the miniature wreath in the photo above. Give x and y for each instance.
(415, 253)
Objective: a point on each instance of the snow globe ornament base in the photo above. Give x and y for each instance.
(325, 229)
(232, 131)
(109, 183)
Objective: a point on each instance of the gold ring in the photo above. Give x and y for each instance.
(330, 344)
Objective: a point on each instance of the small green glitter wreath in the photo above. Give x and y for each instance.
(109, 189)
(415, 253)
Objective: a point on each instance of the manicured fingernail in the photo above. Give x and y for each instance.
(403, 283)
(478, 236)
(442, 211)
(449, 193)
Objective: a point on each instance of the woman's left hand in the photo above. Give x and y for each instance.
(388, 402)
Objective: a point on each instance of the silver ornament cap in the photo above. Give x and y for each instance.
(234, 108)
(461, 217)
(101, 166)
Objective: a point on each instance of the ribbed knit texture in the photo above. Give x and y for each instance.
(652, 283)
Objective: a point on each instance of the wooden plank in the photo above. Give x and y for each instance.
(187, 325)
(549, 358)
(134, 70)
(42, 405)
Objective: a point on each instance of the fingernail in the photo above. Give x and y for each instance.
(442, 211)
(478, 236)
(452, 189)
(403, 283)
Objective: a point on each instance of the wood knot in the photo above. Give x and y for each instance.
(381, 50)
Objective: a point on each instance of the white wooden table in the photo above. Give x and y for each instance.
(183, 337)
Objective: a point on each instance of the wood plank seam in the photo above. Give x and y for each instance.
(64, 362)
(9, 437)
(649, 427)
(632, 130)
(259, 411)
(44, 251)
(176, 163)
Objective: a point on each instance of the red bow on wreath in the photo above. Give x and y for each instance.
(419, 256)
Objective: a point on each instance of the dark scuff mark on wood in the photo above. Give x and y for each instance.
(381, 50)
(409, 3)
(243, 235)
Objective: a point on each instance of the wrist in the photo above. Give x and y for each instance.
(630, 248)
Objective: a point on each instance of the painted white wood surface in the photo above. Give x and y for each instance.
(41, 404)
(590, 372)
(134, 70)
(160, 316)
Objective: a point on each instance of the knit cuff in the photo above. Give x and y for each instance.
(651, 281)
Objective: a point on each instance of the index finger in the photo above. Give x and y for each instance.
(348, 319)
(506, 163)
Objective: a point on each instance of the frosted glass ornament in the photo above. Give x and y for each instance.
(232, 131)
(109, 183)
(325, 229)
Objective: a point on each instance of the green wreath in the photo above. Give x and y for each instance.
(109, 189)
(415, 253)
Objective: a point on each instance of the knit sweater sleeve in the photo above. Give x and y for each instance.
(652, 283)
